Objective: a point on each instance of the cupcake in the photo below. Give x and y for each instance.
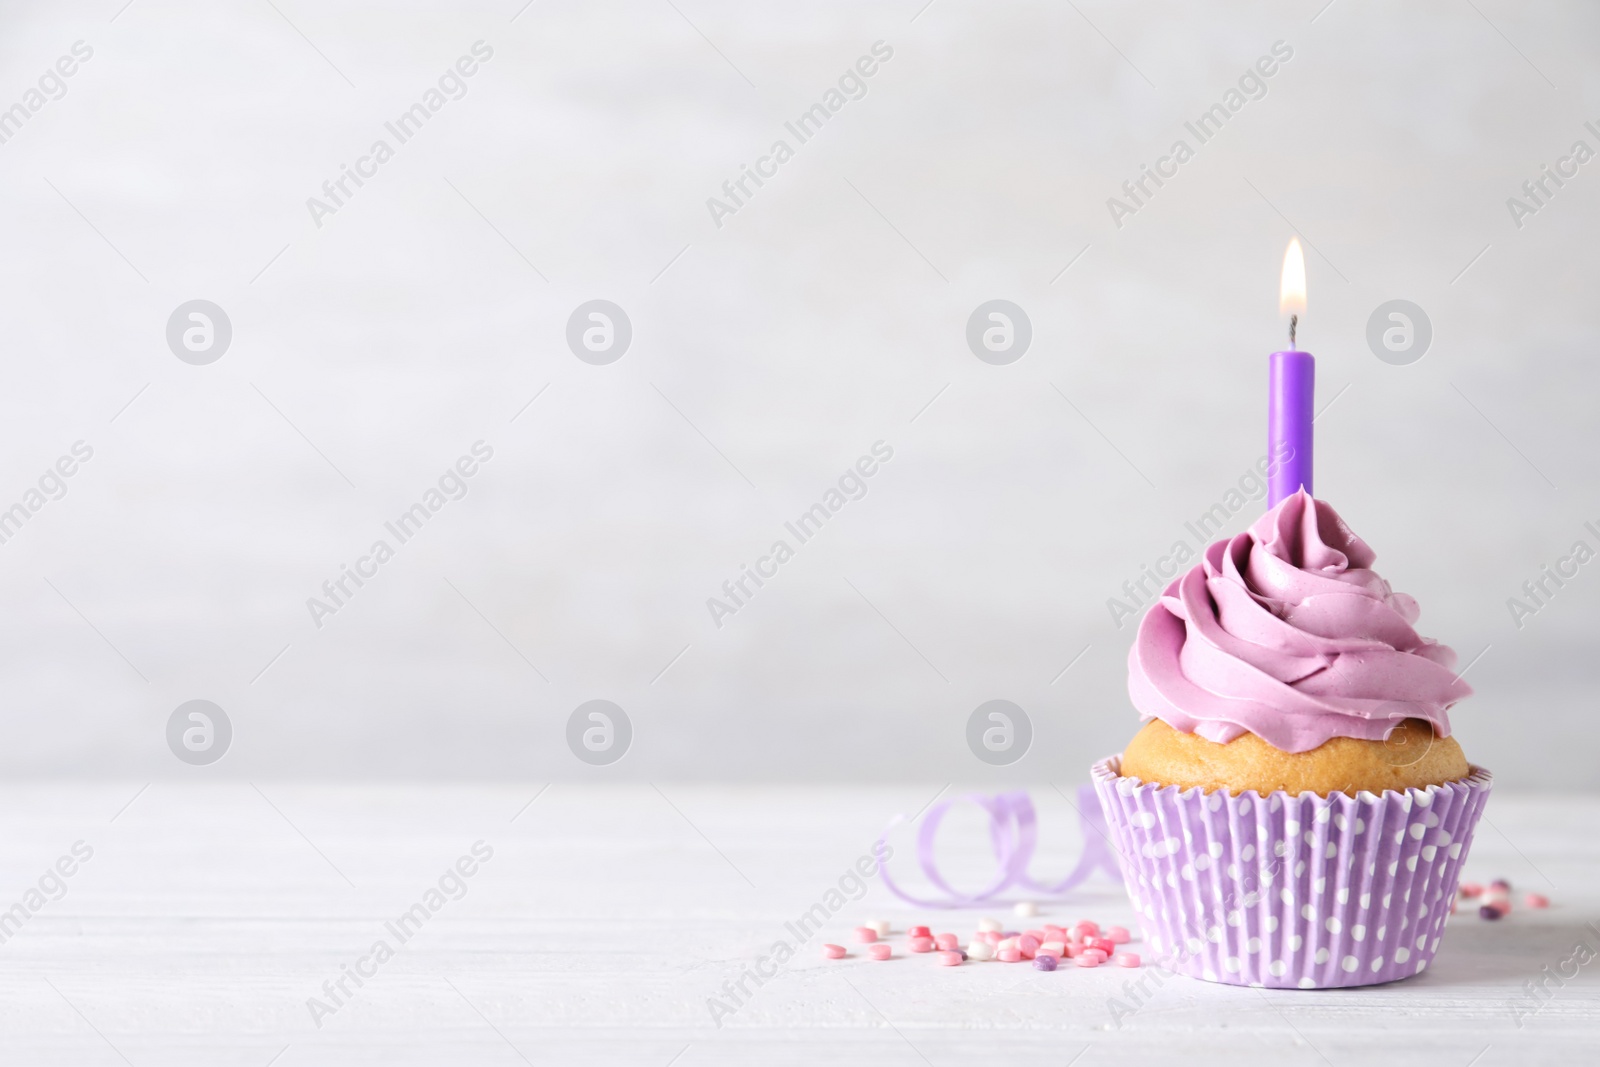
(1294, 812)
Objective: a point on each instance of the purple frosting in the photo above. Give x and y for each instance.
(1285, 631)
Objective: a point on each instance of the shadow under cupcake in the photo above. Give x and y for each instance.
(1294, 813)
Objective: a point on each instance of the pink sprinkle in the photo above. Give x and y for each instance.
(880, 951)
(1009, 955)
(1127, 959)
(1096, 953)
(1104, 944)
(866, 935)
(1071, 949)
(947, 942)
(1027, 943)
(1038, 935)
(1052, 953)
(922, 944)
(919, 931)
(1536, 900)
(1118, 935)
(949, 959)
(1471, 889)
(1086, 929)
(832, 952)
(1090, 959)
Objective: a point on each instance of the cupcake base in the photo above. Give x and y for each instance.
(1291, 891)
(1412, 757)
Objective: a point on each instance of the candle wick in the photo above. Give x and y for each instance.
(1294, 320)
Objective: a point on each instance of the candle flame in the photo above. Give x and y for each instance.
(1292, 290)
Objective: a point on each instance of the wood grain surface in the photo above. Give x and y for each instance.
(208, 915)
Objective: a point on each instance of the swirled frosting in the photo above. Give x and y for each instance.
(1287, 632)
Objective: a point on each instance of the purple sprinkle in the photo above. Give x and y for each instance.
(1044, 963)
(1011, 933)
(1500, 883)
(1489, 911)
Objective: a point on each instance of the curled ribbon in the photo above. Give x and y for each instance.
(1013, 834)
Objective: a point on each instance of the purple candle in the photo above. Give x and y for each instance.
(1291, 393)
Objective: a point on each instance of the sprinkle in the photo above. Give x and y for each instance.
(1087, 929)
(1027, 944)
(1008, 955)
(866, 935)
(919, 931)
(1044, 963)
(1118, 935)
(985, 925)
(992, 937)
(879, 927)
(1025, 908)
(1500, 883)
(947, 942)
(922, 944)
(832, 952)
(1089, 959)
(1053, 948)
(949, 959)
(1009, 942)
(980, 950)
(1489, 911)
(880, 950)
(1104, 944)
(1471, 890)
(1096, 953)
(1127, 959)
(1536, 900)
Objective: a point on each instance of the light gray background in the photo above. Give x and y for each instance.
(767, 356)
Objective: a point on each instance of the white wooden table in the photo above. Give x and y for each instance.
(208, 914)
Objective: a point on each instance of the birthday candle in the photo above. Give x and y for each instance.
(1291, 391)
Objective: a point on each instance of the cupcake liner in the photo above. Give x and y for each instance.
(1291, 891)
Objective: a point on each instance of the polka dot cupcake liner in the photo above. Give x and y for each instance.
(1291, 892)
